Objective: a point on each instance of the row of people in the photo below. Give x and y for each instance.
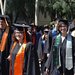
(61, 59)
(18, 55)
(26, 50)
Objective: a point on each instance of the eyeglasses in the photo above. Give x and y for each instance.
(46, 32)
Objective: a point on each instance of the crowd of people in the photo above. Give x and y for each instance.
(37, 50)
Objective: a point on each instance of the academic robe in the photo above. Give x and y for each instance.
(38, 35)
(49, 42)
(4, 64)
(42, 52)
(52, 61)
(30, 62)
(31, 65)
(42, 48)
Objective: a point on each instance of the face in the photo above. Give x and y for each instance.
(63, 29)
(46, 34)
(2, 24)
(18, 35)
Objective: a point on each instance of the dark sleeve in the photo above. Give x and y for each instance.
(27, 58)
(31, 66)
(49, 61)
(39, 51)
(8, 44)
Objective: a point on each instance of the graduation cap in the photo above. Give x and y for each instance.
(65, 22)
(20, 27)
(3, 17)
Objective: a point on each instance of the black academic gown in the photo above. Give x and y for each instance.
(31, 66)
(30, 60)
(4, 64)
(42, 52)
(52, 69)
(49, 42)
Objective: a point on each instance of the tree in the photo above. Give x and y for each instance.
(3, 6)
(21, 8)
(36, 12)
(58, 8)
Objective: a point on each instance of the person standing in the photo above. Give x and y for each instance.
(42, 54)
(21, 58)
(5, 40)
(62, 59)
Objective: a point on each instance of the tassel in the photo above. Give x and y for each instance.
(25, 41)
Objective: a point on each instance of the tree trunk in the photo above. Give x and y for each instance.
(36, 12)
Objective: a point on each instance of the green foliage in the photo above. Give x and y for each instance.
(61, 7)
(45, 6)
(24, 8)
(57, 5)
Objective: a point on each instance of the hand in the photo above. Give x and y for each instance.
(48, 55)
(9, 58)
(46, 72)
(74, 73)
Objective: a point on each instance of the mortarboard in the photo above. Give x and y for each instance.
(65, 22)
(20, 27)
(3, 17)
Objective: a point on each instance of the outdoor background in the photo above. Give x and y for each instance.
(39, 12)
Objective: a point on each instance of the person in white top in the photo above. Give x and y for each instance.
(62, 55)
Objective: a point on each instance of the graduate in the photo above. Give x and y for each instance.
(22, 57)
(52, 33)
(62, 55)
(5, 40)
(42, 55)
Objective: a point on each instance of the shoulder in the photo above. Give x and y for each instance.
(55, 37)
(29, 44)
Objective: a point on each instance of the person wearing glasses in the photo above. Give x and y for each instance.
(42, 55)
(62, 54)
